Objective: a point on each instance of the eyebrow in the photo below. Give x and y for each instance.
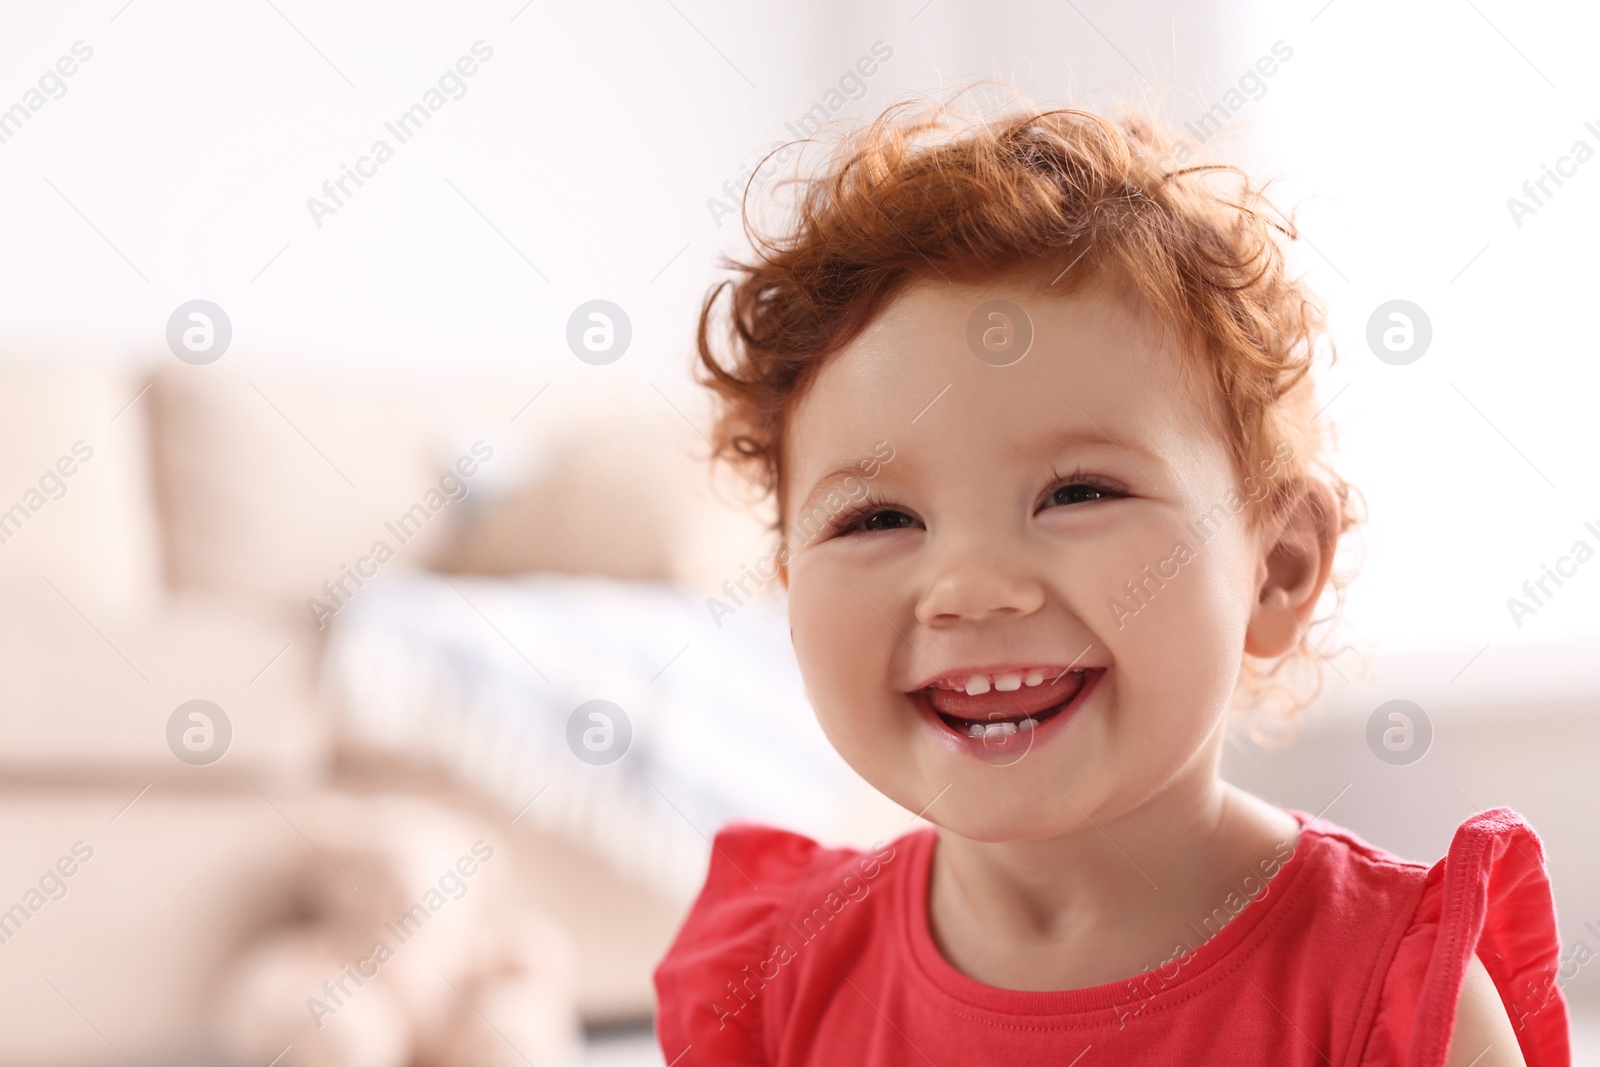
(1063, 439)
(836, 474)
(1057, 440)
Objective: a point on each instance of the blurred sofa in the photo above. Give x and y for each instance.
(175, 533)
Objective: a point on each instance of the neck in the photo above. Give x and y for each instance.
(1102, 864)
(1105, 899)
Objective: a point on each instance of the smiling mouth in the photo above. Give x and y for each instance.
(990, 713)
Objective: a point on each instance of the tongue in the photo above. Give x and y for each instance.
(1017, 704)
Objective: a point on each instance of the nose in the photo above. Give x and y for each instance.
(975, 587)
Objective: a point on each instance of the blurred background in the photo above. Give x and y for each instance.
(359, 698)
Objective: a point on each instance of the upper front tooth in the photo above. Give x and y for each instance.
(978, 683)
(1033, 678)
(1007, 682)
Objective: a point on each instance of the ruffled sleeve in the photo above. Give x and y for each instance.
(1489, 895)
(710, 991)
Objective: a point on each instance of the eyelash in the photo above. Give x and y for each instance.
(851, 519)
(1109, 489)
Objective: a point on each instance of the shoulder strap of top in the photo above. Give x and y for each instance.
(1497, 903)
(711, 988)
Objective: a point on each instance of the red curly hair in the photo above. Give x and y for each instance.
(923, 192)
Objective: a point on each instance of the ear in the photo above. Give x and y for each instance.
(1296, 560)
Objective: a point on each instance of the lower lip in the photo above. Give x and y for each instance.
(1018, 743)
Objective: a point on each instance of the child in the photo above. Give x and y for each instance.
(1035, 406)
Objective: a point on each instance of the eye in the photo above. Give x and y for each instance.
(1082, 489)
(874, 517)
(886, 519)
(1078, 493)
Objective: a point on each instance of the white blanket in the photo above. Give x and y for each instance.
(479, 677)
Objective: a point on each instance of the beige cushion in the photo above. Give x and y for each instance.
(75, 508)
(89, 694)
(272, 482)
(136, 943)
(614, 480)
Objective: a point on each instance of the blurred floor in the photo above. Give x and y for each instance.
(633, 1049)
(1585, 1035)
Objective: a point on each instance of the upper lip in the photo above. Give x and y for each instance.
(1051, 669)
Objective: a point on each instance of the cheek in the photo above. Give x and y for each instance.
(1182, 648)
(843, 646)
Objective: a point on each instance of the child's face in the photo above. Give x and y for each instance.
(997, 541)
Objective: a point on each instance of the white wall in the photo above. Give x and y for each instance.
(591, 141)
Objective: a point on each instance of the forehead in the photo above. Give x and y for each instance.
(1099, 365)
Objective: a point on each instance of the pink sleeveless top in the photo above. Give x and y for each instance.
(799, 954)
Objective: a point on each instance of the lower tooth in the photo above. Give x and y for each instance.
(975, 730)
(1000, 729)
(1027, 724)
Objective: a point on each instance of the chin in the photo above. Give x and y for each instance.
(994, 824)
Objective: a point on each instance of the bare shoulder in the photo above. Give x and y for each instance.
(1483, 1035)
